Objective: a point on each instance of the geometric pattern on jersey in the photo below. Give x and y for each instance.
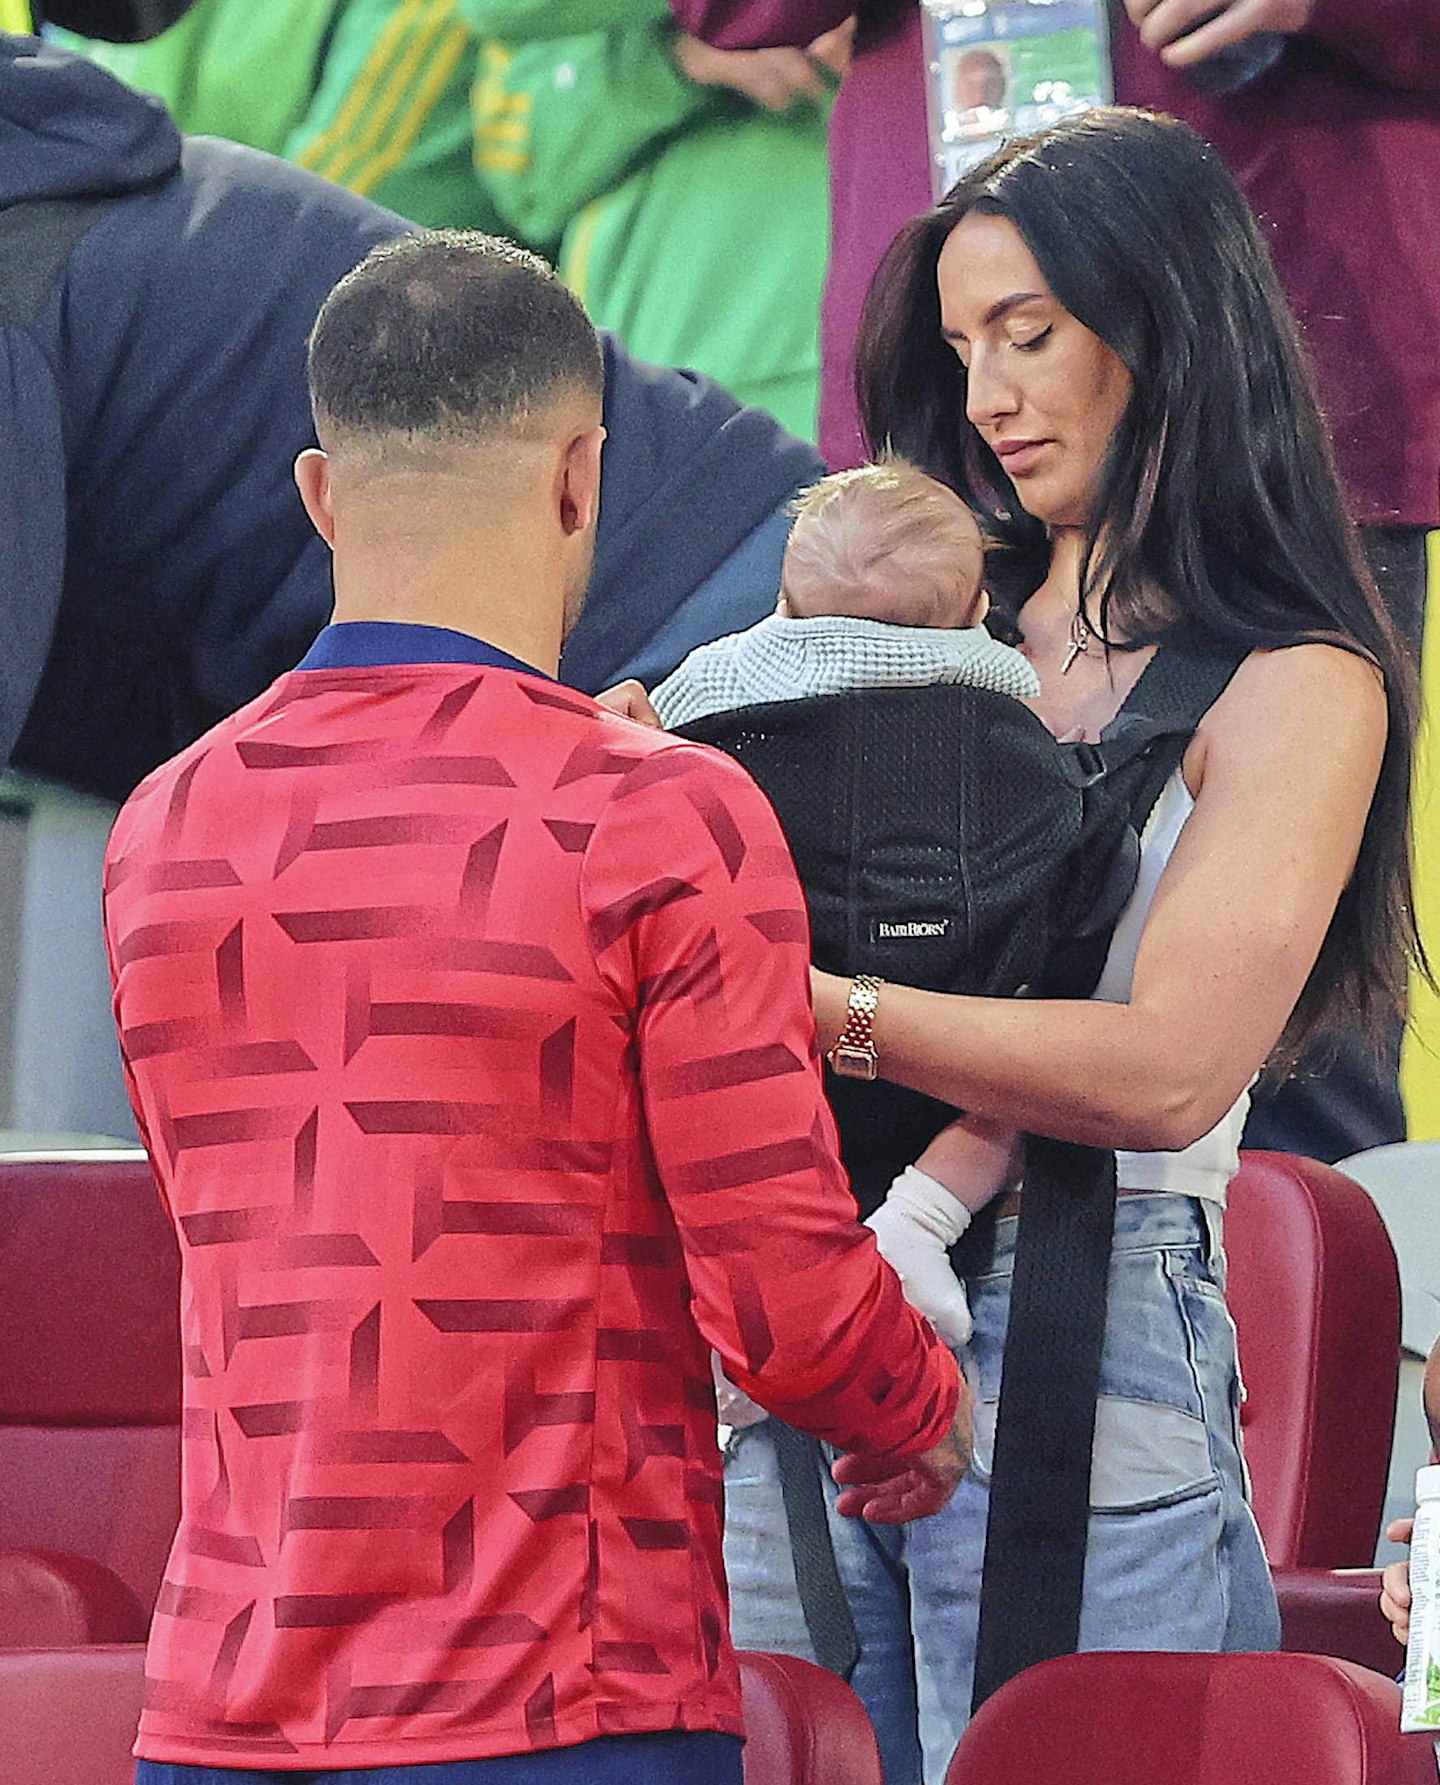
(468, 1028)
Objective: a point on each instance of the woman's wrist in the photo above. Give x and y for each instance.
(830, 995)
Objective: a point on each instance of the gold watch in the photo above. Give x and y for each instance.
(853, 1055)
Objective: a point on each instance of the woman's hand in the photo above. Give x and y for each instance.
(630, 701)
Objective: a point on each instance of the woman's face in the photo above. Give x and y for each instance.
(1044, 393)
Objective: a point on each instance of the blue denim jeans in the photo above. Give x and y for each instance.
(689, 1758)
(1174, 1558)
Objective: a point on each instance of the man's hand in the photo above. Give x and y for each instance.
(892, 1491)
(630, 701)
(1395, 1582)
(774, 79)
(1169, 27)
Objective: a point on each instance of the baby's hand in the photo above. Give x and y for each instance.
(914, 1229)
(732, 1405)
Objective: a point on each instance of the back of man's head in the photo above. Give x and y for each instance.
(448, 339)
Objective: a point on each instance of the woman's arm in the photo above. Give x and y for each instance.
(1284, 766)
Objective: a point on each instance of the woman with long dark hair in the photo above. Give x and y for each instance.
(1086, 339)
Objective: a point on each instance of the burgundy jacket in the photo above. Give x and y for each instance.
(1337, 148)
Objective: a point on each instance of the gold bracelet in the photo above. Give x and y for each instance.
(853, 1055)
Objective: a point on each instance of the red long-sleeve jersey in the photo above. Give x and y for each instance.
(468, 1026)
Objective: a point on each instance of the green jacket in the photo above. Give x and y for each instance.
(643, 186)
(373, 94)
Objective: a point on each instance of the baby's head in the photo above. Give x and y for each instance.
(884, 542)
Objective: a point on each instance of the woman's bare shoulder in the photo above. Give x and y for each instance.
(1311, 671)
(1285, 707)
(1302, 686)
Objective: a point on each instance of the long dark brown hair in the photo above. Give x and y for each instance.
(1219, 491)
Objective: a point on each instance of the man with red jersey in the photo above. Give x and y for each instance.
(468, 1025)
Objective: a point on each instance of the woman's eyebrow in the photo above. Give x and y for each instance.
(1002, 307)
(1006, 304)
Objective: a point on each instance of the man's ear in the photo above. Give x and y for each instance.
(312, 479)
(580, 481)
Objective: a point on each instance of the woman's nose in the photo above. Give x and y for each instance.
(989, 394)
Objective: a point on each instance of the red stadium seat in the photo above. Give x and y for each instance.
(1315, 1293)
(89, 1395)
(1336, 1611)
(1316, 1298)
(804, 1726)
(49, 1600)
(68, 1716)
(1193, 1720)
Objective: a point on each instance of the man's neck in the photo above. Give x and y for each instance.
(478, 587)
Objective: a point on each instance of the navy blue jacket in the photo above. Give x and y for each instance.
(156, 567)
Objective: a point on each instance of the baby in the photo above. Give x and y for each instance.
(881, 587)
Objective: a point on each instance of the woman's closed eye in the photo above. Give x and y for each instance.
(1032, 343)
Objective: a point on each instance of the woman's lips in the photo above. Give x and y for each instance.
(1019, 456)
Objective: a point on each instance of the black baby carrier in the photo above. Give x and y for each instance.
(946, 840)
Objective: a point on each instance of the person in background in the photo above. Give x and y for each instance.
(373, 94)
(679, 189)
(526, 119)
(156, 565)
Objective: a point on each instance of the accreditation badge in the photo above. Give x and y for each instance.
(1002, 68)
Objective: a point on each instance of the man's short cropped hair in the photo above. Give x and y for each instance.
(448, 336)
(884, 542)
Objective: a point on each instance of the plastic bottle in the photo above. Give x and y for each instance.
(1420, 1709)
(1234, 67)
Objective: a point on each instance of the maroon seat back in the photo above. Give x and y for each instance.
(804, 1726)
(1316, 1298)
(1193, 1720)
(50, 1600)
(89, 1367)
(68, 1716)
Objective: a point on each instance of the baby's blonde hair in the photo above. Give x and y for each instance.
(884, 542)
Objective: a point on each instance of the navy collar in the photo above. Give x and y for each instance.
(368, 644)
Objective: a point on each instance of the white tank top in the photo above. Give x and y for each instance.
(1206, 1168)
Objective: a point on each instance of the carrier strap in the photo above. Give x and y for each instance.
(1035, 1537)
(1039, 1512)
(828, 1617)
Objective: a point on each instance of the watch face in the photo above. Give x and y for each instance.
(853, 1062)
